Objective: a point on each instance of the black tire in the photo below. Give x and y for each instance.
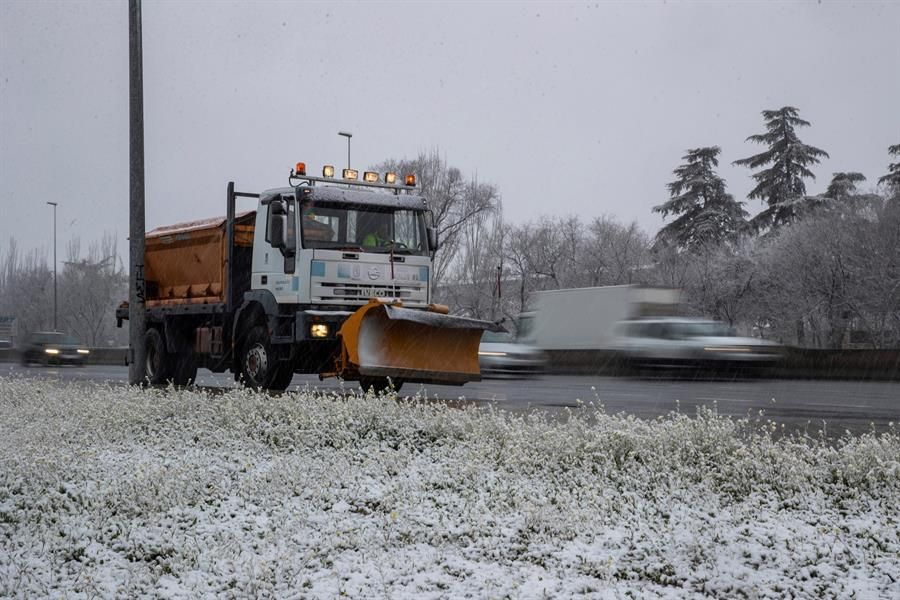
(258, 363)
(380, 384)
(283, 377)
(158, 365)
(185, 369)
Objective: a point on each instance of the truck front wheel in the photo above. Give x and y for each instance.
(258, 363)
(283, 377)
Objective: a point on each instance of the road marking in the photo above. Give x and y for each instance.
(721, 399)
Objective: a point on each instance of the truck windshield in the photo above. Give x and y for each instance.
(362, 228)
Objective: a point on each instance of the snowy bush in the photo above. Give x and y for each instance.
(113, 491)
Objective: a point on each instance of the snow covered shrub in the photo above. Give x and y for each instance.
(114, 491)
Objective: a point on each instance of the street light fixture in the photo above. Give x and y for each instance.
(53, 204)
(347, 135)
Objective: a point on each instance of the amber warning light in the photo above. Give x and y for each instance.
(411, 180)
(300, 169)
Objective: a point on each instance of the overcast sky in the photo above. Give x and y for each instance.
(581, 108)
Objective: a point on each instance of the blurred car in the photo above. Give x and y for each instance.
(500, 354)
(53, 348)
(678, 341)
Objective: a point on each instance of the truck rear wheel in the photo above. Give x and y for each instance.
(258, 364)
(185, 369)
(157, 365)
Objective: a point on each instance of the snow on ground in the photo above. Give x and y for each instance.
(118, 492)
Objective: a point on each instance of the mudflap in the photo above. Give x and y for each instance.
(386, 340)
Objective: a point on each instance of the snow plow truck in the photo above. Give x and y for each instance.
(331, 275)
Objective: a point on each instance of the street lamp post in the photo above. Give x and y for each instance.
(53, 204)
(136, 307)
(347, 135)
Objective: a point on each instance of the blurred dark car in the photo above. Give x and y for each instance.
(500, 354)
(53, 348)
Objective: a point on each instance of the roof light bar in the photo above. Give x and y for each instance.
(352, 176)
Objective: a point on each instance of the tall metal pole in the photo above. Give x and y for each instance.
(136, 307)
(347, 135)
(55, 312)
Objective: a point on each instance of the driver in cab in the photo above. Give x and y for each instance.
(379, 235)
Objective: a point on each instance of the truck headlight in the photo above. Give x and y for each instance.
(83, 351)
(318, 330)
(51, 351)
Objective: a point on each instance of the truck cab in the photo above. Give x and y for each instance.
(340, 247)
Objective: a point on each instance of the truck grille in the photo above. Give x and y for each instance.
(361, 291)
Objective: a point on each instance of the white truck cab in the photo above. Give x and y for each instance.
(342, 246)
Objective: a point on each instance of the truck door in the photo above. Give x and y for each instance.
(275, 258)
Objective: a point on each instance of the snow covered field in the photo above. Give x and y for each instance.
(117, 492)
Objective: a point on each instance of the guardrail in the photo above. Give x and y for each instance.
(840, 364)
(796, 363)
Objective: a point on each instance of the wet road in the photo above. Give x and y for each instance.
(854, 405)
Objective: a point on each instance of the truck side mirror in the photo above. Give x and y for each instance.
(277, 225)
(432, 238)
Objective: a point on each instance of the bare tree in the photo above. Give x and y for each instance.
(833, 273)
(471, 284)
(671, 266)
(619, 253)
(452, 198)
(875, 300)
(91, 287)
(26, 288)
(721, 281)
(517, 264)
(553, 253)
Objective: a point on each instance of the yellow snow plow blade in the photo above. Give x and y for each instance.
(387, 340)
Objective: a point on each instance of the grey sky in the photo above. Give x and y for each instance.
(569, 108)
